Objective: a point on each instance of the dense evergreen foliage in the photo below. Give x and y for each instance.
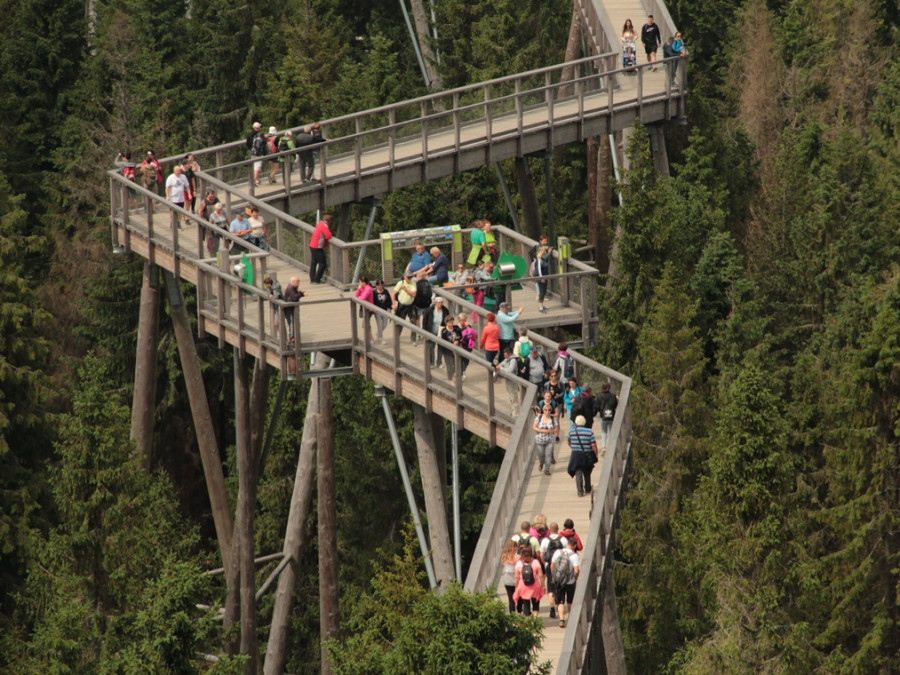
(756, 303)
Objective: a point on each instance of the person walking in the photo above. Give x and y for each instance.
(606, 404)
(365, 293)
(584, 455)
(508, 559)
(529, 583)
(565, 567)
(321, 234)
(651, 38)
(545, 433)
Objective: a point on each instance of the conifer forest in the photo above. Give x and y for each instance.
(755, 302)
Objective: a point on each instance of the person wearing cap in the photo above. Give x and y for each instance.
(403, 296)
(381, 298)
(433, 320)
(506, 321)
(272, 147)
(256, 144)
(584, 454)
(238, 227)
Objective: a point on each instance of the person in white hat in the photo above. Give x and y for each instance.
(272, 147)
(256, 143)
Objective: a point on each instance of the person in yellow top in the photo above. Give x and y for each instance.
(483, 242)
(403, 296)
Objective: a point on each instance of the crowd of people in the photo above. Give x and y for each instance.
(651, 39)
(542, 560)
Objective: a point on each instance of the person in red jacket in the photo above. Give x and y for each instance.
(321, 234)
(569, 533)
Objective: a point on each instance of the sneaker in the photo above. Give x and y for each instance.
(546, 472)
(562, 623)
(553, 612)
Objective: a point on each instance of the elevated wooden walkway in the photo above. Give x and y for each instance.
(381, 150)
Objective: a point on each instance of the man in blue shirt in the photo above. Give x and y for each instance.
(584, 454)
(439, 269)
(505, 320)
(420, 259)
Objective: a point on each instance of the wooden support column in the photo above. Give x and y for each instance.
(203, 428)
(294, 539)
(658, 148)
(531, 212)
(593, 184)
(439, 434)
(329, 619)
(435, 502)
(143, 404)
(247, 483)
(613, 647)
(604, 204)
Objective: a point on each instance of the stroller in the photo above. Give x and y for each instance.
(629, 54)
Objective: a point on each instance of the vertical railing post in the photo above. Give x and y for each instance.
(359, 149)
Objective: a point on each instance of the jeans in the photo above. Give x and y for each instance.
(544, 452)
(605, 428)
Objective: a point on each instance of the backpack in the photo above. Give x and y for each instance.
(562, 570)
(283, 144)
(524, 349)
(552, 547)
(423, 294)
(568, 369)
(527, 574)
(128, 172)
(272, 146)
(259, 148)
(607, 414)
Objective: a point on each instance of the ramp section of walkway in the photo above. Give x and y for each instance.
(384, 149)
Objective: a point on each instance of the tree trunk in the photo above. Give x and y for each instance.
(624, 135)
(573, 48)
(592, 185)
(531, 212)
(276, 654)
(206, 437)
(246, 461)
(604, 203)
(435, 503)
(143, 405)
(613, 646)
(329, 619)
(233, 597)
(421, 23)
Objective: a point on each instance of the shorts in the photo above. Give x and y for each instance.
(257, 166)
(565, 595)
(404, 311)
(650, 49)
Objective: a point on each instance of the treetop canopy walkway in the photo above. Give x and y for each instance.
(376, 151)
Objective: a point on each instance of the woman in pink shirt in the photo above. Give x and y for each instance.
(365, 293)
(321, 234)
(490, 338)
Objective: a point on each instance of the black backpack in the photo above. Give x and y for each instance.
(283, 144)
(423, 294)
(552, 547)
(527, 574)
(260, 148)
